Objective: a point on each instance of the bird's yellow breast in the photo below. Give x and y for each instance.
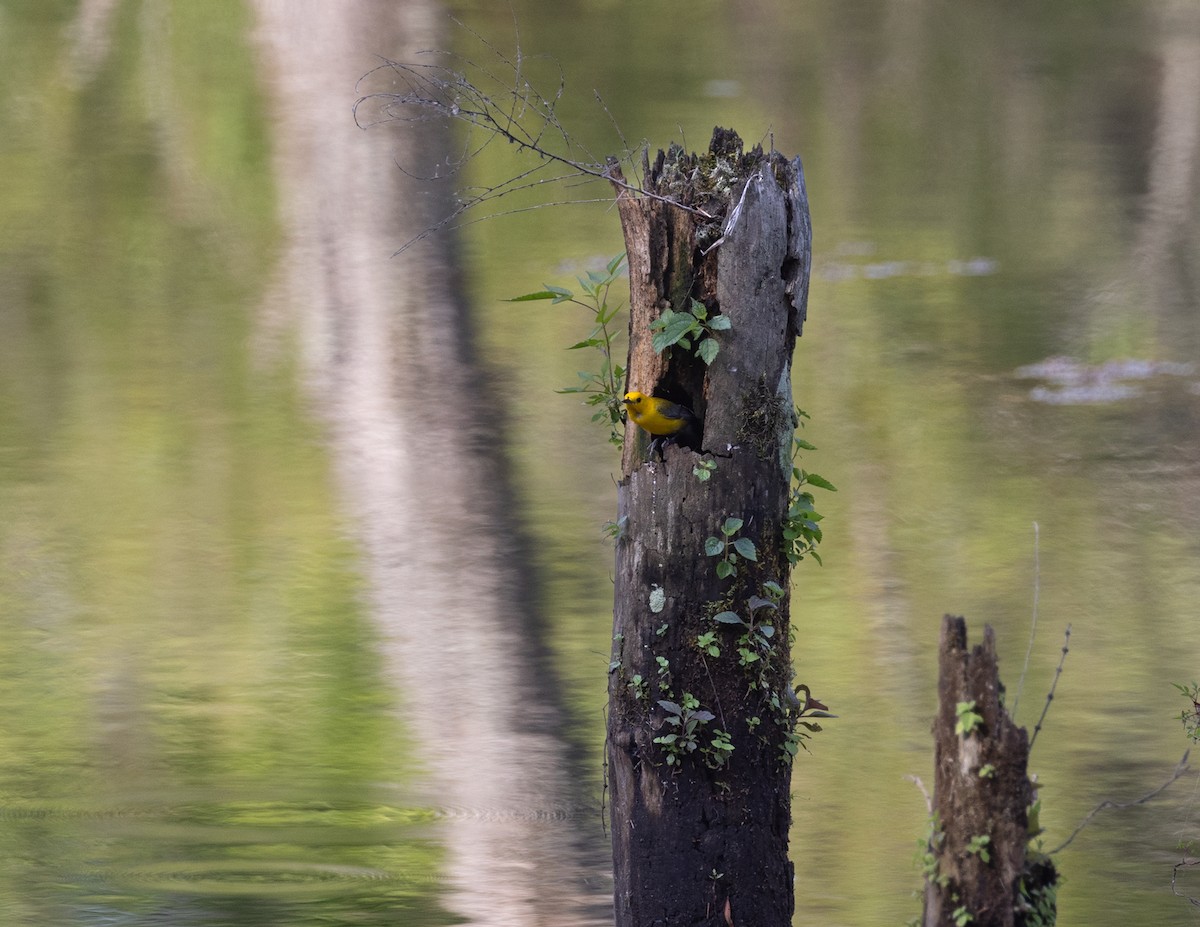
(657, 416)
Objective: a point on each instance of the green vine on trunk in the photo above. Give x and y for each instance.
(801, 533)
(691, 329)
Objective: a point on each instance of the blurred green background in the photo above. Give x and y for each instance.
(236, 530)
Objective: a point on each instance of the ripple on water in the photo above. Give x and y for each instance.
(277, 848)
(276, 814)
(270, 814)
(245, 877)
(248, 816)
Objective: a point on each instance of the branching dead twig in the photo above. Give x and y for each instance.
(1054, 685)
(604, 776)
(916, 780)
(514, 111)
(1120, 806)
(1037, 582)
(1185, 863)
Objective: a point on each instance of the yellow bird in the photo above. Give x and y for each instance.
(666, 420)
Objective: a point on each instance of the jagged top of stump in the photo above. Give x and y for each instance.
(708, 180)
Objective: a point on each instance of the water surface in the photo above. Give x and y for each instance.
(285, 642)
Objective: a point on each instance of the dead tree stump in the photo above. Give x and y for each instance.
(982, 796)
(701, 728)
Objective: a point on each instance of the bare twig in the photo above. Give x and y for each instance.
(613, 120)
(515, 112)
(1037, 578)
(720, 710)
(1186, 863)
(604, 776)
(1120, 806)
(916, 780)
(445, 224)
(1054, 685)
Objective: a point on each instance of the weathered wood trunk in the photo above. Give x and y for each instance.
(700, 832)
(982, 796)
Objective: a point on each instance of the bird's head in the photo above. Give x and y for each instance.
(634, 399)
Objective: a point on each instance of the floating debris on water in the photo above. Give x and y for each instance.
(1072, 382)
(836, 271)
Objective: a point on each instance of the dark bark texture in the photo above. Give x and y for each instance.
(981, 790)
(700, 834)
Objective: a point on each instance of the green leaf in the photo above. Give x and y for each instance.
(603, 317)
(756, 602)
(773, 588)
(616, 262)
(801, 504)
(707, 350)
(720, 323)
(820, 482)
(725, 570)
(670, 706)
(714, 547)
(745, 547)
(703, 716)
(728, 618)
(732, 526)
(674, 327)
(556, 293)
(766, 630)
(804, 445)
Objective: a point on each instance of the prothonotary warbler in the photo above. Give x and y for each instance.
(666, 420)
